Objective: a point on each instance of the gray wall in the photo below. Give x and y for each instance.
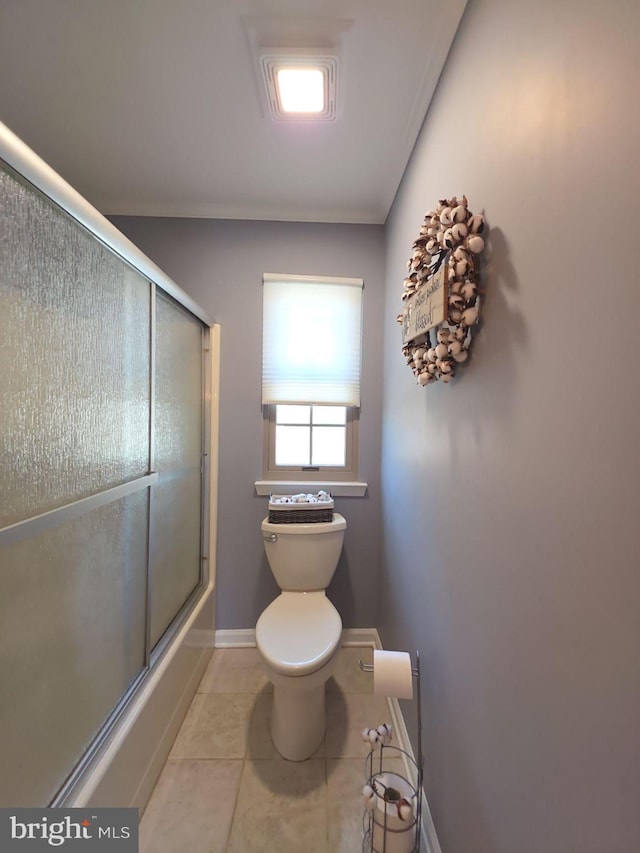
(220, 264)
(510, 498)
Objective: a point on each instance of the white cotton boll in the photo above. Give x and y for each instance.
(468, 290)
(365, 735)
(369, 797)
(469, 316)
(385, 732)
(476, 223)
(459, 213)
(460, 333)
(462, 268)
(448, 240)
(459, 231)
(475, 244)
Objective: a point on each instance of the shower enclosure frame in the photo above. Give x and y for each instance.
(192, 628)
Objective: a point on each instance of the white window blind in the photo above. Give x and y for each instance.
(311, 343)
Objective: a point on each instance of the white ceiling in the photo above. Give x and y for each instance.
(153, 107)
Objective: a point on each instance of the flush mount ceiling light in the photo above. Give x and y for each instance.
(300, 90)
(300, 85)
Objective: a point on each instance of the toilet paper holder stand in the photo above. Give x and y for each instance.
(417, 762)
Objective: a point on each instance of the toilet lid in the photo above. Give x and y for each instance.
(298, 632)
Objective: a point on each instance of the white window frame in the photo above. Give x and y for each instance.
(312, 473)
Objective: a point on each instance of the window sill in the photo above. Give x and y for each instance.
(341, 489)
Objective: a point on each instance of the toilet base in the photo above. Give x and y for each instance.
(297, 721)
(298, 713)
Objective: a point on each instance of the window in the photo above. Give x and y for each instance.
(314, 442)
(312, 330)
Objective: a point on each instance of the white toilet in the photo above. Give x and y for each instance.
(298, 635)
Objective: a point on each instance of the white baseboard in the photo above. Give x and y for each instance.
(244, 638)
(237, 638)
(361, 637)
(428, 836)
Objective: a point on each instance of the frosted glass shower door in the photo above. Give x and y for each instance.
(177, 457)
(103, 477)
(74, 360)
(72, 606)
(75, 377)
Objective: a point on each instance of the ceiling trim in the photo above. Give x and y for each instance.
(223, 211)
(444, 26)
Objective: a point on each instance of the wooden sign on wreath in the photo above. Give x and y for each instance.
(442, 291)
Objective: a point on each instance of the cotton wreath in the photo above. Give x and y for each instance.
(451, 235)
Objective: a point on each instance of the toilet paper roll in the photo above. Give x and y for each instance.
(390, 833)
(392, 674)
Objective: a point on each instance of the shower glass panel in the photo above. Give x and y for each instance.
(101, 484)
(72, 639)
(74, 355)
(176, 507)
(175, 544)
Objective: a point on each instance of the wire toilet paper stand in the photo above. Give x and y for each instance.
(383, 828)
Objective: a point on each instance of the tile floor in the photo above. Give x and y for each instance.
(225, 789)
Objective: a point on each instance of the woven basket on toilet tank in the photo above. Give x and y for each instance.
(300, 511)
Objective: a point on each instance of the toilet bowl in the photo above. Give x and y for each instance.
(298, 634)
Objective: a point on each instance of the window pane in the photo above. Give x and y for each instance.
(328, 446)
(293, 414)
(329, 414)
(292, 445)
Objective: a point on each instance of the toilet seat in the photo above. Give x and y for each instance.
(298, 632)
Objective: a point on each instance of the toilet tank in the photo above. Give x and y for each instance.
(303, 557)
